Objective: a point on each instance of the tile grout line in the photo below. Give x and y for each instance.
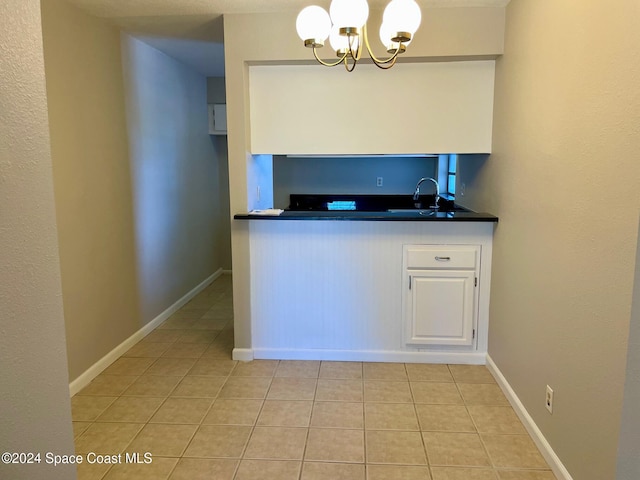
(415, 411)
(151, 416)
(484, 447)
(205, 416)
(306, 438)
(364, 429)
(465, 404)
(255, 421)
(208, 410)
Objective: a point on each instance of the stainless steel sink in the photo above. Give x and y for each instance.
(424, 212)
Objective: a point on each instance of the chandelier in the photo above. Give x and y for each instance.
(346, 27)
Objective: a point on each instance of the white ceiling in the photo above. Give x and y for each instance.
(191, 30)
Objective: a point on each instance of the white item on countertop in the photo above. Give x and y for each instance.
(267, 211)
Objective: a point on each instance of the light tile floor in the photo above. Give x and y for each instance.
(178, 395)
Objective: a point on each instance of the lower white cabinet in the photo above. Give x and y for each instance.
(440, 304)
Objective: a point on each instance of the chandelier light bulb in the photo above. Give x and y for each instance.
(313, 23)
(386, 36)
(402, 16)
(349, 13)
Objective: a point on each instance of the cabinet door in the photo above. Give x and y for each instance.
(217, 119)
(440, 308)
(220, 118)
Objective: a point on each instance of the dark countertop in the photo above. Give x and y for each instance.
(387, 208)
(415, 216)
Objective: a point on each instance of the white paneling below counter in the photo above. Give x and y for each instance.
(334, 290)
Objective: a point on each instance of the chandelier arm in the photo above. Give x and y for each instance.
(358, 52)
(392, 59)
(315, 54)
(353, 65)
(387, 65)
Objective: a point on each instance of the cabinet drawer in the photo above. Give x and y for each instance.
(441, 257)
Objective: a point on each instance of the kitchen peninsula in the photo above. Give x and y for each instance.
(397, 285)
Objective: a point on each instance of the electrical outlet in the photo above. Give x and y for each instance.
(379, 182)
(548, 402)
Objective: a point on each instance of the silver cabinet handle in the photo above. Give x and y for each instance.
(443, 259)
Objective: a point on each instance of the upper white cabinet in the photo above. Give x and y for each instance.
(440, 301)
(217, 119)
(413, 108)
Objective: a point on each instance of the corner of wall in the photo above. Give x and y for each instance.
(628, 465)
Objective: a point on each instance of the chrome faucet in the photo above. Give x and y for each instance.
(416, 194)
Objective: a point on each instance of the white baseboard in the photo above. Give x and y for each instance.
(97, 368)
(242, 354)
(370, 356)
(549, 455)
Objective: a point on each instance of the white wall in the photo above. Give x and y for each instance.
(413, 108)
(175, 173)
(34, 404)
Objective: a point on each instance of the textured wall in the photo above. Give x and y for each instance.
(92, 181)
(36, 415)
(563, 178)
